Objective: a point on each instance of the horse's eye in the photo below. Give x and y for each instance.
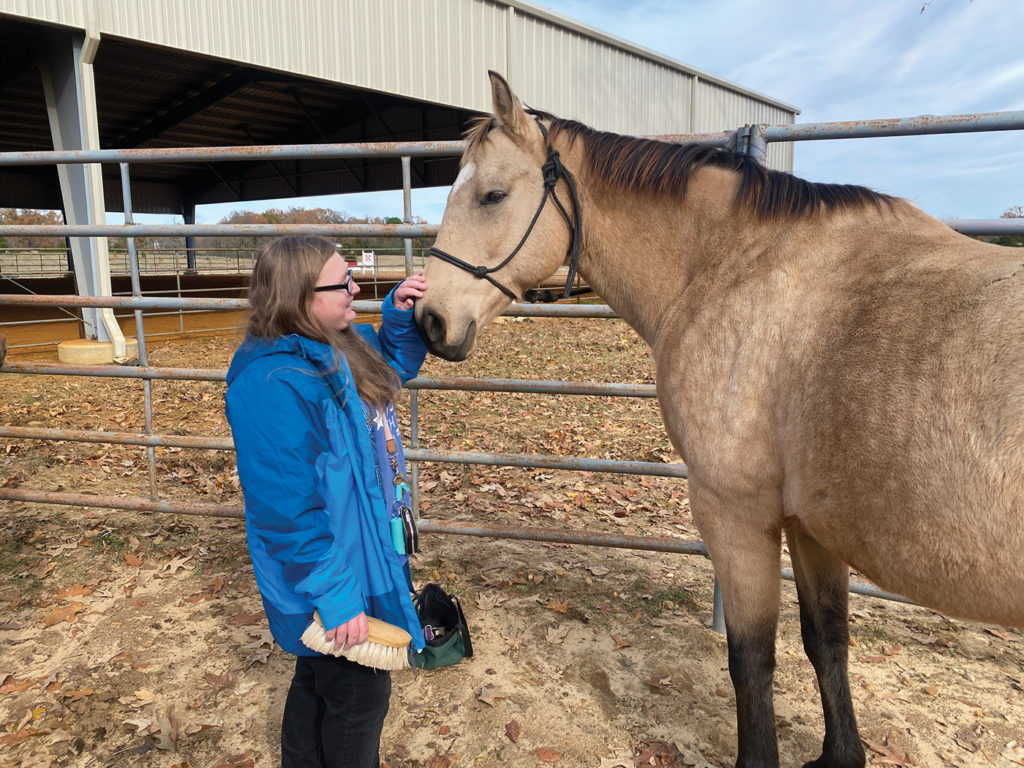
(493, 197)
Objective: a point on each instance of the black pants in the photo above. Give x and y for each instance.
(334, 714)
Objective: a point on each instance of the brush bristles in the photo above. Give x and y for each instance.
(386, 647)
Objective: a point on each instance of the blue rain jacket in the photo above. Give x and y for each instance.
(316, 520)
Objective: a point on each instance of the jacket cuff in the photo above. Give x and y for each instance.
(334, 614)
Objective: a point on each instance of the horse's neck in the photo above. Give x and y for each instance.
(643, 250)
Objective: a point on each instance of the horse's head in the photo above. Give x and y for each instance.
(499, 236)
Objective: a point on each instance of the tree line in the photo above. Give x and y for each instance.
(294, 215)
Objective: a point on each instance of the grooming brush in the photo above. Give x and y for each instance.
(385, 648)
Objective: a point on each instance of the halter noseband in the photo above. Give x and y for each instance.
(552, 170)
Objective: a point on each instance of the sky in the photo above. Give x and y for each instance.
(833, 60)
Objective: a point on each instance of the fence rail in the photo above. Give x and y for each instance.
(751, 139)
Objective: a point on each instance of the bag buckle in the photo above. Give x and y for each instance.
(431, 633)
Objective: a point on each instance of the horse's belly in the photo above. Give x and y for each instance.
(937, 560)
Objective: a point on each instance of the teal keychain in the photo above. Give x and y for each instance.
(401, 487)
(398, 534)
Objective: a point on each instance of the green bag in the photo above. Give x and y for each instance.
(444, 629)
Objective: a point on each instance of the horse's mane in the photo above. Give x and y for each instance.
(646, 165)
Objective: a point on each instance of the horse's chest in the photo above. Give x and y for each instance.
(715, 396)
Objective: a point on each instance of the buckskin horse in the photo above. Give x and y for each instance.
(832, 364)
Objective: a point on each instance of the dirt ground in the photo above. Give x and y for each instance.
(131, 639)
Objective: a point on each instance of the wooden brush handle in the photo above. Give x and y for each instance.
(381, 632)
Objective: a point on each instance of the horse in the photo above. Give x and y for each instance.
(833, 365)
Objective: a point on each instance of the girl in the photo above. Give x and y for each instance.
(309, 401)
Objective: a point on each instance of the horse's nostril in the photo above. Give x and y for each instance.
(433, 327)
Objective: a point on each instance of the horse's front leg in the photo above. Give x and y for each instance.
(746, 560)
(822, 583)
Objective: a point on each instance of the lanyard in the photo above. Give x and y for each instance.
(404, 535)
(401, 483)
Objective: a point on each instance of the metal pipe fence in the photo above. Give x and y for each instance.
(751, 139)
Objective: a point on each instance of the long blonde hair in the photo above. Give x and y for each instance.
(280, 300)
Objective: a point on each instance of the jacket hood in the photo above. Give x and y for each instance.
(321, 355)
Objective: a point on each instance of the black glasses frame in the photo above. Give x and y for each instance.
(347, 285)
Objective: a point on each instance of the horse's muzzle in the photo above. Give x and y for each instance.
(434, 328)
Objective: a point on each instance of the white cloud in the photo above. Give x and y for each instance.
(858, 60)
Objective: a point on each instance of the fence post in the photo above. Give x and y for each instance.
(140, 333)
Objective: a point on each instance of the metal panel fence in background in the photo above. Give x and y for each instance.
(752, 139)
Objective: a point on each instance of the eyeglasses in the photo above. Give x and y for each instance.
(347, 285)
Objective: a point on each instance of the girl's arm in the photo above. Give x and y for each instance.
(398, 339)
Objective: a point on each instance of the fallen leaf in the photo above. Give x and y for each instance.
(512, 730)
(998, 633)
(489, 601)
(76, 590)
(660, 684)
(43, 570)
(63, 613)
(142, 725)
(556, 635)
(13, 739)
(167, 731)
(133, 560)
(560, 606)
(144, 697)
(889, 753)
(260, 656)
(219, 682)
(216, 721)
(176, 563)
(656, 753)
(513, 640)
(17, 684)
(242, 619)
(489, 694)
(437, 760)
(620, 643)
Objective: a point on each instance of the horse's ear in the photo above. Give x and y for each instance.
(507, 108)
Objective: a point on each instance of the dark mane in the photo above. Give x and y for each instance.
(636, 164)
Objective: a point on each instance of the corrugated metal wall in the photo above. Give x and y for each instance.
(571, 75)
(716, 108)
(439, 51)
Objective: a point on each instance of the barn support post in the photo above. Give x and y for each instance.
(69, 90)
(189, 217)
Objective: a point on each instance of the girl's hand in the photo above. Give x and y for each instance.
(352, 632)
(409, 290)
